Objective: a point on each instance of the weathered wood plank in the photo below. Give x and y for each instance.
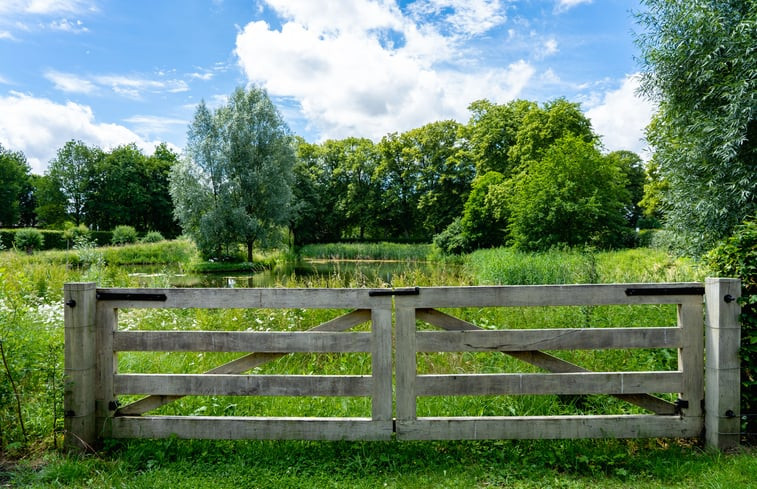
(691, 357)
(546, 295)
(242, 341)
(247, 362)
(107, 365)
(381, 365)
(548, 362)
(79, 369)
(547, 339)
(405, 361)
(243, 385)
(560, 384)
(549, 427)
(238, 428)
(723, 372)
(251, 298)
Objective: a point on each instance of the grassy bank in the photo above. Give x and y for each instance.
(31, 326)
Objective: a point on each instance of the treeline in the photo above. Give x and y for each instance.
(516, 173)
(86, 185)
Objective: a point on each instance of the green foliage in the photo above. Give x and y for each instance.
(701, 68)
(366, 251)
(453, 240)
(483, 224)
(28, 239)
(152, 237)
(234, 186)
(737, 257)
(572, 196)
(14, 175)
(124, 235)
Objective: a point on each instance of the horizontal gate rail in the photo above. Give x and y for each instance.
(93, 384)
(563, 378)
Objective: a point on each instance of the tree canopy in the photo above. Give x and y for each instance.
(700, 65)
(234, 183)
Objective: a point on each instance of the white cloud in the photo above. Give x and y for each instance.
(7, 35)
(39, 126)
(65, 25)
(563, 5)
(467, 17)
(550, 47)
(621, 117)
(149, 124)
(70, 83)
(128, 86)
(46, 7)
(364, 69)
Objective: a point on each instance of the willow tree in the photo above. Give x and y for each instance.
(233, 185)
(700, 65)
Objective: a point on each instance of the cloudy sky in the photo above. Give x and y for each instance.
(110, 72)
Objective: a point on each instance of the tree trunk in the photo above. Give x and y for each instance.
(249, 251)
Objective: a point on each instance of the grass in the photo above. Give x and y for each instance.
(178, 464)
(366, 251)
(31, 332)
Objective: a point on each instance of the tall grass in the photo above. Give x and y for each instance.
(366, 251)
(505, 266)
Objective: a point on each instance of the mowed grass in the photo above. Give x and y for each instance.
(31, 317)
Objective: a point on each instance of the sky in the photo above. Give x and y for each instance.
(113, 72)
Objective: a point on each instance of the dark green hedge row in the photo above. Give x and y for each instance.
(54, 240)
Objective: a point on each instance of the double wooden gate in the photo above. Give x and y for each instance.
(93, 383)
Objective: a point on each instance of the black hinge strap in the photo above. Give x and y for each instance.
(402, 291)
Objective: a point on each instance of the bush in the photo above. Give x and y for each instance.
(29, 239)
(453, 240)
(124, 235)
(73, 233)
(737, 257)
(152, 237)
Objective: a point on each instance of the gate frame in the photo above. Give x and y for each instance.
(92, 413)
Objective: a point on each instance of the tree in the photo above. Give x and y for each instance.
(491, 132)
(14, 181)
(572, 196)
(234, 186)
(51, 202)
(635, 177)
(444, 173)
(542, 127)
(72, 168)
(700, 66)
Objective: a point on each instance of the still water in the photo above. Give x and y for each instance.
(315, 273)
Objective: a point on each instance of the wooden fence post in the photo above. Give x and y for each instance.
(79, 366)
(723, 366)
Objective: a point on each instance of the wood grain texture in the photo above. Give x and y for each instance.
(240, 428)
(549, 427)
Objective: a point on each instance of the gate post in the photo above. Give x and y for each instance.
(79, 366)
(723, 366)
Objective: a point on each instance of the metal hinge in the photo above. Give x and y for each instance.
(402, 291)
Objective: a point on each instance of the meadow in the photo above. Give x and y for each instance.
(31, 323)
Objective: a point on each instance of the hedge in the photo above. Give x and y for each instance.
(54, 239)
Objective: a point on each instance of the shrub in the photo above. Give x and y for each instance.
(737, 257)
(72, 233)
(452, 241)
(153, 237)
(29, 239)
(124, 235)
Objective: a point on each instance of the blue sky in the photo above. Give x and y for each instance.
(110, 72)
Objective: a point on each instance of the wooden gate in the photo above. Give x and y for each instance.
(93, 383)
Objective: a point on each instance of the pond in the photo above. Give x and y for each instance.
(318, 273)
